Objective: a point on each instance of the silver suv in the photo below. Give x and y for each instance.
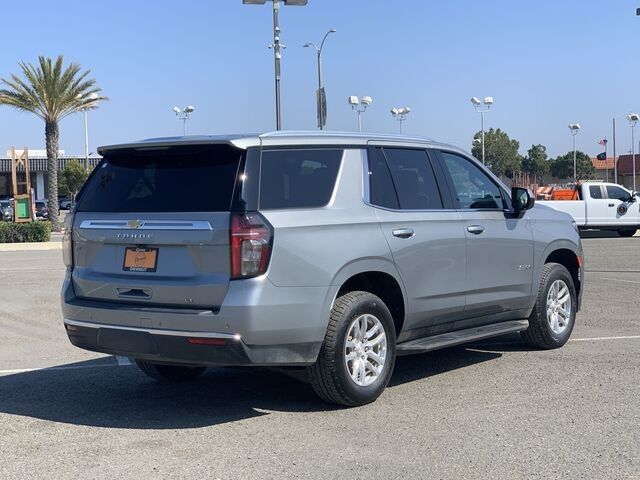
(324, 251)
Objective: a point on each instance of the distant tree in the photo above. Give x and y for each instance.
(51, 91)
(72, 177)
(501, 153)
(562, 166)
(535, 163)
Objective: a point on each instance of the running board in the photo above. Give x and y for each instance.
(421, 345)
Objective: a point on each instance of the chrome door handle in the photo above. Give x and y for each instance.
(475, 229)
(403, 233)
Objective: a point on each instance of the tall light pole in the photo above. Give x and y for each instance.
(633, 119)
(359, 105)
(574, 127)
(276, 45)
(183, 114)
(321, 97)
(92, 97)
(482, 107)
(400, 114)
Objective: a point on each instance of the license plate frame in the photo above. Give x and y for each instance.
(140, 259)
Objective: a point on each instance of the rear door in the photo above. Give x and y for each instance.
(499, 248)
(425, 235)
(597, 206)
(151, 226)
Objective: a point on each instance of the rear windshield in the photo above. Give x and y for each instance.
(295, 178)
(177, 179)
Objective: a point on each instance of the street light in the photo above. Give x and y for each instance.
(359, 105)
(321, 97)
(574, 127)
(90, 103)
(276, 45)
(183, 114)
(478, 106)
(400, 114)
(633, 119)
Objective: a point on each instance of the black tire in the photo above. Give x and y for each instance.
(329, 375)
(172, 373)
(540, 334)
(627, 233)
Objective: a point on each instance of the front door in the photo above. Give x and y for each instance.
(499, 248)
(620, 210)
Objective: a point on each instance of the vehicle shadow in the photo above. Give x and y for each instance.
(91, 393)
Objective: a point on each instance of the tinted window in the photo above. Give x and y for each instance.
(473, 187)
(617, 193)
(595, 191)
(298, 178)
(382, 191)
(178, 179)
(413, 178)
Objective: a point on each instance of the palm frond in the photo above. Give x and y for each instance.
(50, 90)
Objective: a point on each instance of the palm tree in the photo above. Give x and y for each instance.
(51, 92)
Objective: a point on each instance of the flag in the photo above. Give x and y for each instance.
(601, 156)
(602, 142)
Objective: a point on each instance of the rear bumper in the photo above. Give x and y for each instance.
(262, 325)
(174, 347)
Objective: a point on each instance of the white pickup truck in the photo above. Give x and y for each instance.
(602, 206)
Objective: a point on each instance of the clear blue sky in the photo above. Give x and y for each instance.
(546, 62)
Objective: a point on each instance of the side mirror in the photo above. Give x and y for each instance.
(522, 199)
(634, 196)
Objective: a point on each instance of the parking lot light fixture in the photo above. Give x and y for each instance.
(359, 105)
(320, 95)
(92, 97)
(482, 107)
(633, 119)
(400, 114)
(276, 45)
(183, 114)
(574, 128)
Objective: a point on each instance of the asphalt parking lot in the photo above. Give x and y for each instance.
(491, 410)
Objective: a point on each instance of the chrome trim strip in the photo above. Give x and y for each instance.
(146, 225)
(153, 331)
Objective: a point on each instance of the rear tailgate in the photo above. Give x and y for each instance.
(152, 227)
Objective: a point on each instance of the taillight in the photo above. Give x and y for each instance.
(67, 242)
(251, 239)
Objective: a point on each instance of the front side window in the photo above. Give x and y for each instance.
(293, 178)
(617, 193)
(473, 188)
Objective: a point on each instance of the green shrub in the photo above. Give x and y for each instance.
(11, 232)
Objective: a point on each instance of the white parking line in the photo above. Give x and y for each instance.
(621, 280)
(597, 339)
(118, 363)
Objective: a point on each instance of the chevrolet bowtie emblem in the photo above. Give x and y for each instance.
(134, 224)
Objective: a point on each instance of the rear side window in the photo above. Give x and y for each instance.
(382, 191)
(414, 179)
(595, 191)
(295, 178)
(176, 179)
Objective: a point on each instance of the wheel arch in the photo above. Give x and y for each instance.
(569, 259)
(379, 277)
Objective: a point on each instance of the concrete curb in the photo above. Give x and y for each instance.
(21, 247)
